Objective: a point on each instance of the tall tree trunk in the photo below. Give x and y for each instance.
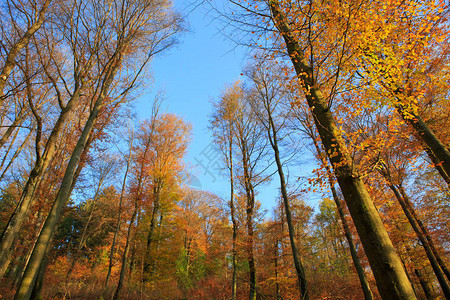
(16, 271)
(125, 252)
(354, 254)
(158, 242)
(133, 261)
(37, 288)
(116, 232)
(275, 263)
(27, 283)
(391, 279)
(27, 254)
(300, 270)
(250, 254)
(20, 214)
(233, 218)
(148, 259)
(249, 220)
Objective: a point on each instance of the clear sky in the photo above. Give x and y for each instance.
(190, 75)
(198, 69)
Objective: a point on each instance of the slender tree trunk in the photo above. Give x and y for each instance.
(250, 254)
(37, 229)
(424, 284)
(407, 274)
(300, 270)
(116, 232)
(17, 267)
(135, 215)
(233, 218)
(133, 261)
(234, 263)
(158, 243)
(141, 281)
(391, 279)
(249, 220)
(412, 221)
(277, 286)
(20, 214)
(125, 253)
(424, 231)
(27, 283)
(187, 247)
(148, 260)
(27, 254)
(354, 254)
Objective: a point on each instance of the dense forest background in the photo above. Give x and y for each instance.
(97, 204)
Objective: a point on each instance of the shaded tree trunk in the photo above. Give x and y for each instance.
(250, 254)
(407, 274)
(37, 288)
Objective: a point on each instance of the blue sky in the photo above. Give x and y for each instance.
(198, 69)
(190, 75)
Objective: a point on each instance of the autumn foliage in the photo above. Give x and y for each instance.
(343, 109)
